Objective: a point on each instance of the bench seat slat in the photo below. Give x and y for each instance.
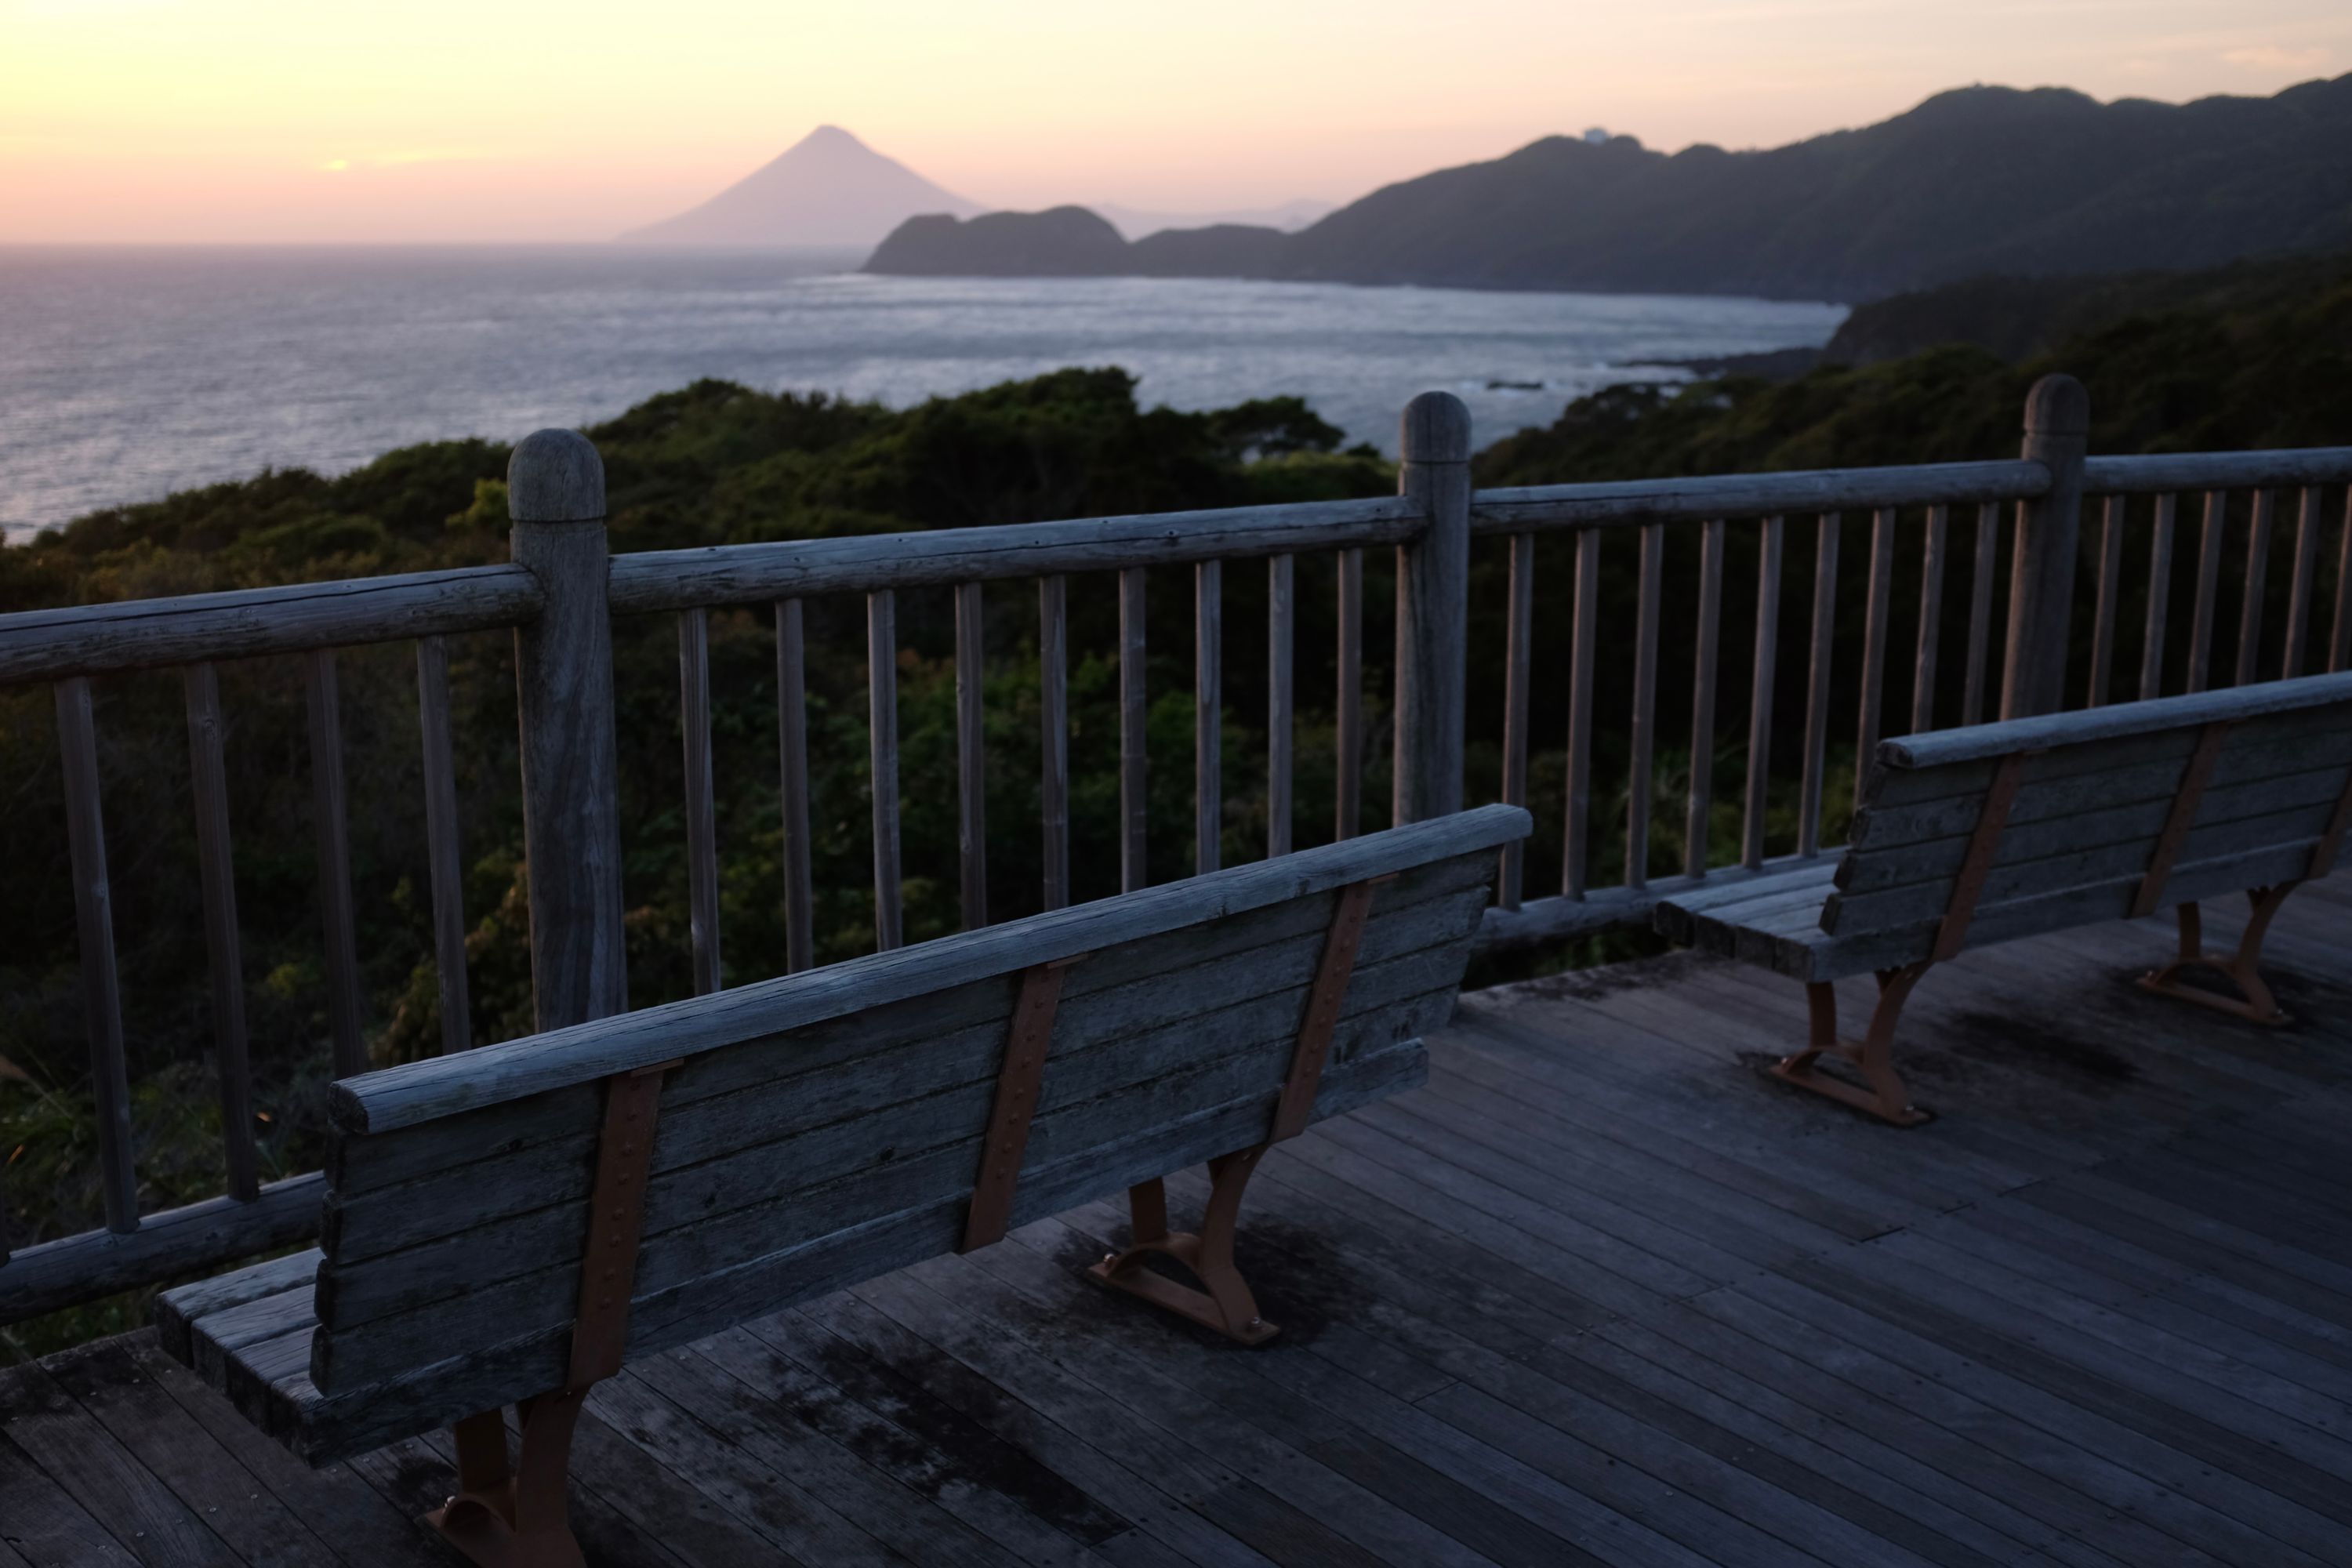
(270, 1379)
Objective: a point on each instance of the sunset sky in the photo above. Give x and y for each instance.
(512, 119)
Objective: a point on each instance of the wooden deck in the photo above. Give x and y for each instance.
(1600, 1293)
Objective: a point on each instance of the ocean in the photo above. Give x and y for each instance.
(127, 374)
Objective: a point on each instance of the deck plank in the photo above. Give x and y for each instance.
(1602, 1293)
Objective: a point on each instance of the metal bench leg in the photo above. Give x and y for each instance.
(1872, 1054)
(1224, 1302)
(513, 1516)
(2242, 968)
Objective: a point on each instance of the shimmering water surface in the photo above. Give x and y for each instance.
(127, 373)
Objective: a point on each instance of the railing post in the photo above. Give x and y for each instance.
(571, 764)
(2041, 576)
(1433, 608)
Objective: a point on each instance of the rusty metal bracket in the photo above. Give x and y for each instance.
(1018, 1081)
(511, 1513)
(2242, 968)
(2183, 816)
(1340, 944)
(1992, 821)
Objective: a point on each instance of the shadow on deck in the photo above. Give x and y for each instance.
(1601, 1292)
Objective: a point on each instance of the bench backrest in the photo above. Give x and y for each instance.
(827, 1127)
(2036, 825)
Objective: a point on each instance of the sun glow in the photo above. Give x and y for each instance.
(166, 120)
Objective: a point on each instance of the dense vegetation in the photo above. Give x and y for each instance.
(1976, 181)
(716, 463)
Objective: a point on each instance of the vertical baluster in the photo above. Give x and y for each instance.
(1054, 721)
(1701, 807)
(1817, 699)
(334, 862)
(445, 861)
(1646, 709)
(1931, 621)
(882, 718)
(2339, 654)
(1208, 714)
(2258, 571)
(1972, 694)
(1576, 866)
(102, 993)
(1876, 608)
(971, 760)
(2300, 589)
(1518, 635)
(2209, 588)
(1281, 627)
(2111, 583)
(791, 757)
(701, 802)
(208, 774)
(1132, 873)
(1350, 696)
(2160, 599)
(1760, 696)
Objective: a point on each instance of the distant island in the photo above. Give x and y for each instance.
(1977, 181)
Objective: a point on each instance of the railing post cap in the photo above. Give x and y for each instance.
(555, 475)
(1435, 429)
(2058, 405)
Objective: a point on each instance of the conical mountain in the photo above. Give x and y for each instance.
(830, 188)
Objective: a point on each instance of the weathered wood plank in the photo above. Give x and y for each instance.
(1693, 499)
(2217, 470)
(1577, 858)
(322, 1426)
(1998, 740)
(154, 633)
(96, 1263)
(224, 952)
(870, 563)
(101, 992)
(882, 751)
(1129, 979)
(1134, 799)
(1877, 605)
(1348, 723)
(1645, 730)
(1817, 699)
(444, 859)
(1763, 674)
(2209, 588)
(701, 805)
(1281, 639)
(2159, 598)
(793, 773)
(1981, 581)
(331, 814)
(1931, 620)
(971, 757)
(1208, 715)
(1698, 817)
(2303, 586)
(1432, 608)
(1054, 735)
(2249, 603)
(2110, 585)
(1518, 653)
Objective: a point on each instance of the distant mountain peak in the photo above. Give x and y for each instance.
(828, 188)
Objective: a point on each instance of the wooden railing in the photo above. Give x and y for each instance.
(563, 590)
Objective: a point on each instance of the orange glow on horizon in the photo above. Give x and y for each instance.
(268, 120)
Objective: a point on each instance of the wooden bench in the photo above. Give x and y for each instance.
(516, 1223)
(1972, 836)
